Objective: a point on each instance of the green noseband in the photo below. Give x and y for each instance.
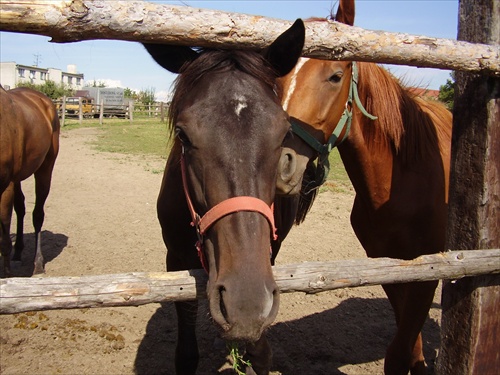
(323, 164)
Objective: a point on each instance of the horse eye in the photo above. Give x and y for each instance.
(336, 78)
(179, 133)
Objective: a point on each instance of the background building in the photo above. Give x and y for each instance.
(12, 74)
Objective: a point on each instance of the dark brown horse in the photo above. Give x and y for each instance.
(29, 144)
(397, 162)
(219, 185)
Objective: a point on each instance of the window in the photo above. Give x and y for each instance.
(32, 74)
(70, 80)
(78, 81)
(21, 73)
(43, 76)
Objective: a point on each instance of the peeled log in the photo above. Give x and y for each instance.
(139, 288)
(77, 20)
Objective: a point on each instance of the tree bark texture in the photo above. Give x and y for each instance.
(77, 20)
(132, 289)
(470, 334)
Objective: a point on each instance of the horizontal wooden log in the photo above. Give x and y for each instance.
(133, 289)
(77, 20)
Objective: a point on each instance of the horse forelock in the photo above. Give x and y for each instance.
(209, 61)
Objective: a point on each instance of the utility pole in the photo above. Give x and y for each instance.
(38, 59)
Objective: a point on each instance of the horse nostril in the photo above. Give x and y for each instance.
(222, 306)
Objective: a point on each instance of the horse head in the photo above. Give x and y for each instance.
(229, 128)
(316, 96)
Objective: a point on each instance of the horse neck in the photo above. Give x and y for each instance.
(409, 133)
(368, 152)
(369, 172)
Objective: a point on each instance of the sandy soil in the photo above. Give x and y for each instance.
(100, 218)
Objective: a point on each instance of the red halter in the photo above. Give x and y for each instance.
(224, 208)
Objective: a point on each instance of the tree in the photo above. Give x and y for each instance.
(147, 96)
(49, 88)
(447, 92)
(95, 83)
(129, 93)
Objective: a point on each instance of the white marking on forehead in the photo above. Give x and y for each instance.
(241, 103)
(293, 82)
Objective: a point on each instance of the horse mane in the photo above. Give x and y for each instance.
(411, 127)
(408, 124)
(218, 60)
(405, 121)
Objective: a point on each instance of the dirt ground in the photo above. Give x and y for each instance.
(100, 218)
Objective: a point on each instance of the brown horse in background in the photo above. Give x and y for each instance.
(398, 164)
(29, 144)
(219, 185)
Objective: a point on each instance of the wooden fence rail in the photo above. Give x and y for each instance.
(133, 289)
(77, 20)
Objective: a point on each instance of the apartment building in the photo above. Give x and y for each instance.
(12, 74)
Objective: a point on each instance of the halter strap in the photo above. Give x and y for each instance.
(237, 204)
(222, 209)
(324, 149)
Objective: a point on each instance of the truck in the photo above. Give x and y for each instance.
(112, 98)
(73, 106)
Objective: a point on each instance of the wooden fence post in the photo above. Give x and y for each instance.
(470, 333)
(101, 111)
(162, 112)
(131, 110)
(80, 110)
(63, 110)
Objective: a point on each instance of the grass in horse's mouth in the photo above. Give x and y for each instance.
(237, 359)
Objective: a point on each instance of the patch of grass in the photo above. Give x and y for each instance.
(145, 136)
(337, 180)
(149, 136)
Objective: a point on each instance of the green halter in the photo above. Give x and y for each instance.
(323, 164)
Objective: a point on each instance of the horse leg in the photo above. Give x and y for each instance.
(43, 178)
(20, 209)
(411, 303)
(6, 204)
(260, 356)
(186, 352)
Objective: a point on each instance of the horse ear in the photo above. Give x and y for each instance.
(169, 57)
(285, 51)
(345, 13)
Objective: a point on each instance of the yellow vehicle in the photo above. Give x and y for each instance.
(73, 106)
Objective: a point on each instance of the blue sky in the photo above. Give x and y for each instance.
(126, 64)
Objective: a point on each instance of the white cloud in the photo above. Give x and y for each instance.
(420, 77)
(104, 81)
(163, 96)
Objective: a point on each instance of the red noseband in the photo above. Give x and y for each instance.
(224, 208)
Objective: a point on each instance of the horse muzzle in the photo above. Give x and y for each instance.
(244, 314)
(291, 168)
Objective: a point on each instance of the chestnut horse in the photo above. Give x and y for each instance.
(398, 163)
(219, 185)
(29, 144)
